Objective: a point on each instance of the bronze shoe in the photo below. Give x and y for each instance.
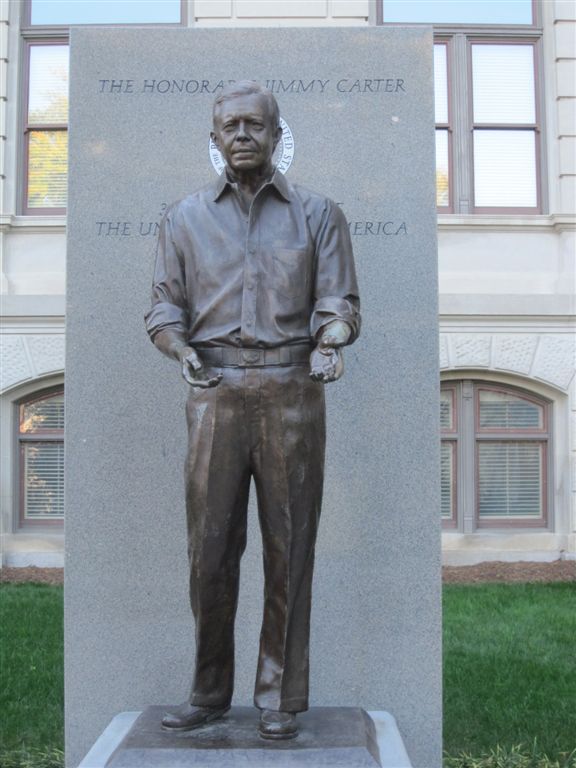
(187, 717)
(277, 725)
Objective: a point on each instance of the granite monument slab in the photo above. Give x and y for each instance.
(358, 109)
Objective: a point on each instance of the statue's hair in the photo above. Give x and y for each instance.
(245, 88)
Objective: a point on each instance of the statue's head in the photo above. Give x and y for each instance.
(246, 126)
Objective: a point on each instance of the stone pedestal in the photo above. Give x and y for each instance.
(334, 737)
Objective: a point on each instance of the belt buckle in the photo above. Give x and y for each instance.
(251, 356)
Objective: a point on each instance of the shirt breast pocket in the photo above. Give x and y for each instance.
(290, 275)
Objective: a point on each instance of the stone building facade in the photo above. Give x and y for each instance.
(506, 223)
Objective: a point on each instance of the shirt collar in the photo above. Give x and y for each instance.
(277, 181)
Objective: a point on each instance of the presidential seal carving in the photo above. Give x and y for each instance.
(282, 157)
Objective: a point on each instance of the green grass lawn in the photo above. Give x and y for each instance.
(510, 667)
(31, 666)
(509, 673)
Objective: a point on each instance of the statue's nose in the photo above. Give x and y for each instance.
(242, 134)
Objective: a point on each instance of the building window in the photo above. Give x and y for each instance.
(41, 459)
(449, 427)
(505, 145)
(488, 102)
(495, 457)
(45, 91)
(443, 127)
(45, 129)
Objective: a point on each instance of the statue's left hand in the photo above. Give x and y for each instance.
(326, 361)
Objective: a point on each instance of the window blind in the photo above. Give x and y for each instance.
(47, 169)
(440, 83)
(446, 409)
(447, 479)
(48, 95)
(510, 479)
(46, 127)
(43, 415)
(505, 169)
(500, 410)
(43, 479)
(503, 84)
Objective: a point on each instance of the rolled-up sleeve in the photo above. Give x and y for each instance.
(335, 288)
(169, 308)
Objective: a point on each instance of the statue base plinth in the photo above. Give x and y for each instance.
(334, 737)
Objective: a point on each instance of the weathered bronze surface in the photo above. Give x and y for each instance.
(254, 294)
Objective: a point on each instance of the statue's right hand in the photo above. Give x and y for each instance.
(193, 370)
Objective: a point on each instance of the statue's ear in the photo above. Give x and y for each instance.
(214, 138)
(277, 136)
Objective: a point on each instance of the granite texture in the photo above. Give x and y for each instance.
(340, 737)
(363, 134)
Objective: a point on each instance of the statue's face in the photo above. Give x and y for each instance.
(245, 133)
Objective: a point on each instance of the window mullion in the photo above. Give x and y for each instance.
(462, 136)
(539, 86)
(468, 459)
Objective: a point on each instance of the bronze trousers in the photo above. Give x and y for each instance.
(266, 423)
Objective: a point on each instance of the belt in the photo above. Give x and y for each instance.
(251, 357)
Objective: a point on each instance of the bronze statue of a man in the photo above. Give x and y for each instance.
(254, 294)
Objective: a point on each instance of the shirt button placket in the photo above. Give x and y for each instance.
(248, 326)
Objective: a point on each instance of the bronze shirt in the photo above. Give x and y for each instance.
(269, 276)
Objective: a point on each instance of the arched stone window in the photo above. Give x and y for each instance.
(495, 456)
(40, 436)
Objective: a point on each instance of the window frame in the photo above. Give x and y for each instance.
(535, 127)
(448, 127)
(52, 34)
(505, 390)
(20, 439)
(460, 38)
(468, 435)
(27, 128)
(517, 435)
(452, 436)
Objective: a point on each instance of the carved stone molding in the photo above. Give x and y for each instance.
(25, 358)
(14, 362)
(470, 350)
(47, 353)
(548, 357)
